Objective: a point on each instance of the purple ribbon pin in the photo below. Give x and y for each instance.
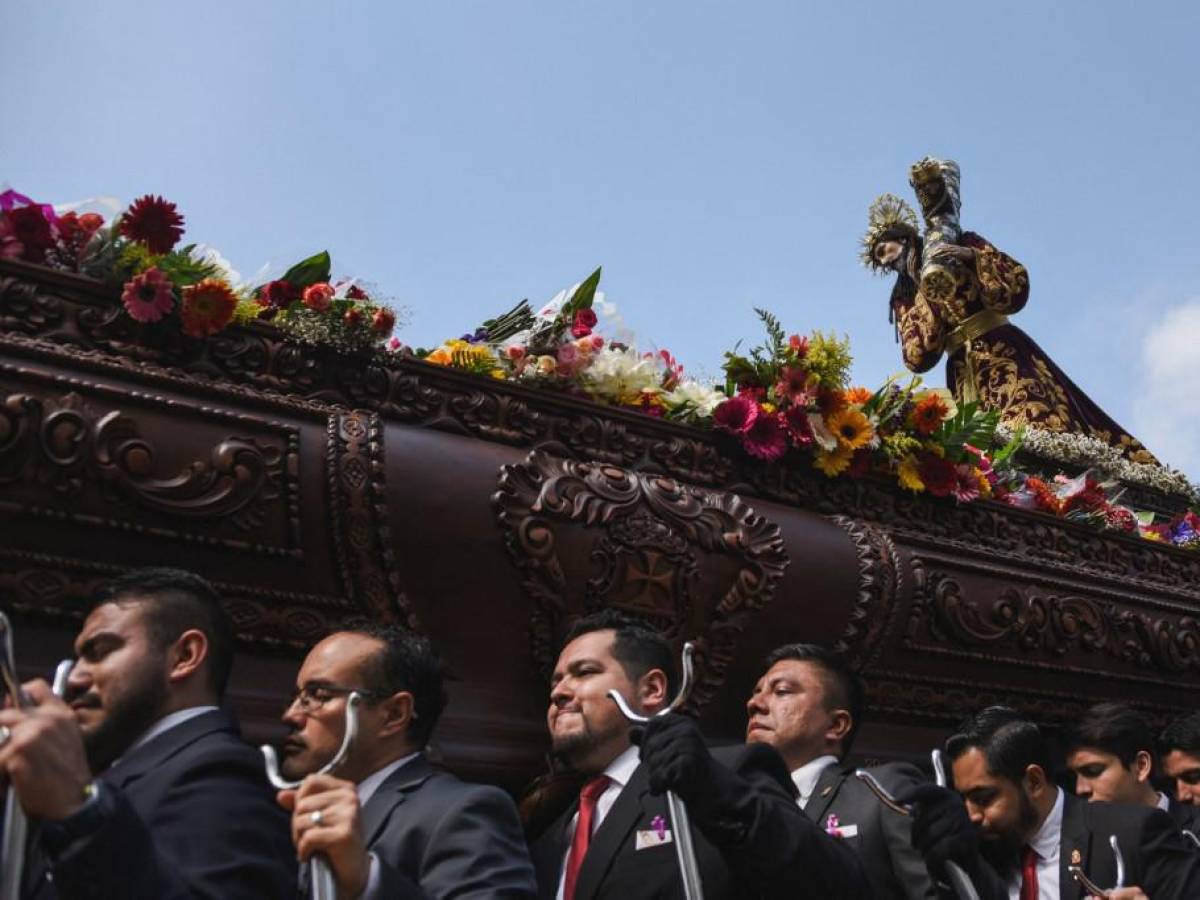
(659, 824)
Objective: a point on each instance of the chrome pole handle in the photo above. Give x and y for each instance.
(964, 888)
(322, 885)
(685, 851)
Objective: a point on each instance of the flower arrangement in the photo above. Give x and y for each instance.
(188, 289)
(790, 394)
(562, 348)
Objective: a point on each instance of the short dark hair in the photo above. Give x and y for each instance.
(407, 662)
(1114, 728)
(1183, 734)
(843, 687)
(1010, 742)
(636, 646)
(174, 601)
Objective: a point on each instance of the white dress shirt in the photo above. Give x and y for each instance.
(619, 771)
(806, 776)
(1164, 802)
(1047, 844)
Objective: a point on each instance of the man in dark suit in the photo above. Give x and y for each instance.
(1111, 752)
(138, 786)
(389, 823)
(1018, 833)
(808, 705)
(618, 841)
(1179, 750)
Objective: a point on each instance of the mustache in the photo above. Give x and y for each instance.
(84, 700)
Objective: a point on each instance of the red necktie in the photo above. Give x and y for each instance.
(583, 832)
(1029, 882)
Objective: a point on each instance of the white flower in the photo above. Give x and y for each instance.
(616, 374)
(700, 399)
(206, 254)
(821, 434)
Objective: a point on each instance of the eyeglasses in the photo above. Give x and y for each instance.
(313, 696)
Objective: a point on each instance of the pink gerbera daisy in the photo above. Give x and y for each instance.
(966, 489)
(766, 438)
(736, 415)
(147, 297)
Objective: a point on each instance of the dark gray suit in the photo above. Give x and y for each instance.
(438, 837)
(884, 839)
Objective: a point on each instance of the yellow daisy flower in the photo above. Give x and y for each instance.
(909, 474)
(851, 427)
(833, 462)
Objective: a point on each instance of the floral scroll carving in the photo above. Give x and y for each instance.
(647, 539)
(1033, 623)
(879, 583)
(72, 454)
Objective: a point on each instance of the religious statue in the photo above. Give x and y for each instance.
(954, 294)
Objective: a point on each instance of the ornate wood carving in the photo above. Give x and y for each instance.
(366, 559)
(647, 538)
(1036, 625)
(75, 450)
(879, 582)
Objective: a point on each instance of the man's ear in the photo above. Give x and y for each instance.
(1143, 765)
(399, 712)
(840, 725)
(652, 690)
(186, 655)
(1036, 781)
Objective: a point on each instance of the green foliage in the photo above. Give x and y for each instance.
(133, 258)
(967, 426)
(829, 359)
(475, 363)
(761, 367)
(776, 346)
(516, 320)
(183, 269)
(1004, 456)
(583, 296)
(246, 311)
(313, 270)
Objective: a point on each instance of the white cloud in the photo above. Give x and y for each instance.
(1167, 416)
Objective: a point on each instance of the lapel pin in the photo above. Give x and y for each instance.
(1076, 857)
(827, 791)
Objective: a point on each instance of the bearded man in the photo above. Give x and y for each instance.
(137, 784)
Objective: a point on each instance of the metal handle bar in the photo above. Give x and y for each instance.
(685, 852)
(960, 881)
(16, 823)
(323, 885)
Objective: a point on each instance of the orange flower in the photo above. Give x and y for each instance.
(207, 307)
(928, 414)
(830, 401)
(857, 396)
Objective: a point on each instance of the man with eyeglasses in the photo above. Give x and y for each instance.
(389, 824)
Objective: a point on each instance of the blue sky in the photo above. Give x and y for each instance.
(712, 156)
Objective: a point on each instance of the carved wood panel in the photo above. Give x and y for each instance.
(694, 562)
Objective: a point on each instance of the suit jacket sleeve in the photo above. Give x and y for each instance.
(217, 834)
(474, 849)
(907, 864)
(768, 842)
(1169, 869)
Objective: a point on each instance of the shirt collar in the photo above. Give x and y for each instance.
(369, 785)
(166, 723)
(1164, 802)
(806, 776)
(1047, 839)
(621, 769)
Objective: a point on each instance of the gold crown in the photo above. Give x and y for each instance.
(887, 213)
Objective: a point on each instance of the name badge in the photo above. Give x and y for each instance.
(652, 838)
(845, 831)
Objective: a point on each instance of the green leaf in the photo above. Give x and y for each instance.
(583, 296)
(1002, 456)
(313, 270)
(967, 426)
(516, 320)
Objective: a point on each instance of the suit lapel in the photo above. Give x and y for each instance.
(825, 791)
(1075, 847)
(391, 794)
(158, 750)
(612, 834)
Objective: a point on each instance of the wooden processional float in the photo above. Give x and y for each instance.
(316, 489)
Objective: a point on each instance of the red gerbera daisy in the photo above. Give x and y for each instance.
(736, 414)
(154, 222)
(939, 475)
(207, 307)
(765, 438)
